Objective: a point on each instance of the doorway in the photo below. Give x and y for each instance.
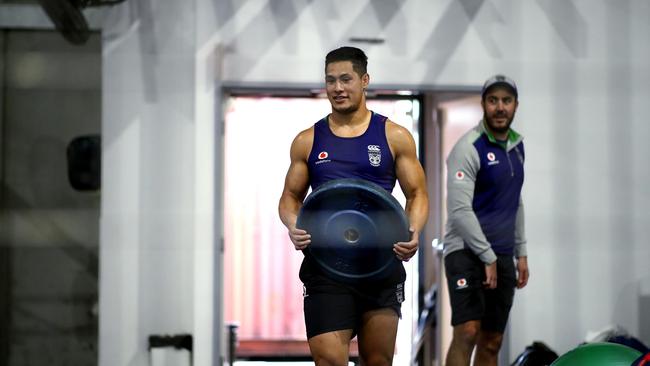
(262, 292)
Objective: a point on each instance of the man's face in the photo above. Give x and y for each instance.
(499, 107)
(345, 88)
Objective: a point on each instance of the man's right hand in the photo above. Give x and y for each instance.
(491, 275)
(300, 238)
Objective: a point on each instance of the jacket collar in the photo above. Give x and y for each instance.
(513, 136)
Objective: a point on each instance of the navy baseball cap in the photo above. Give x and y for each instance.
(500, 80)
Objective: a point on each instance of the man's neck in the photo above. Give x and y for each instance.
(358, 117)
(499, 136)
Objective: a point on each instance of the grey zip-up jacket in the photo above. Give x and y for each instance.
(484, 208)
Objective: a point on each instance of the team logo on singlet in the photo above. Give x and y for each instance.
(460, 175)
(374, 155)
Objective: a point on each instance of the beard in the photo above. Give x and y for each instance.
(497, 126)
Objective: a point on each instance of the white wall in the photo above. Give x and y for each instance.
(582, 68)
(584, 78)
(157, 226)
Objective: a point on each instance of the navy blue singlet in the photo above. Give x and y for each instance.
(367, 156)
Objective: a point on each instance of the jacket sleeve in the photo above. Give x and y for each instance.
(463, 165)
(520, 232)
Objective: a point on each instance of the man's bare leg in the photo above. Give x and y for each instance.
(487, 348)
(331, 348)
(377, 337)
(462, 344)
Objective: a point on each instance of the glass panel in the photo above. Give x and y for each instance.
(49, 232)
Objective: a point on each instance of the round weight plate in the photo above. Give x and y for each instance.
(353, 225)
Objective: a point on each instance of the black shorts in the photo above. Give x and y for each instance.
(469, 298)
(331, 306)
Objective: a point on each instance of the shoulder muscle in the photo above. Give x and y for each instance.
(399, 138)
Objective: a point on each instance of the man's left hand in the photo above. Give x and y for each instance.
(405, 250)
(522, 272)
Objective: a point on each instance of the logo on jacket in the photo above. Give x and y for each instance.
(492, 158)
(374, 155)
(460, 175)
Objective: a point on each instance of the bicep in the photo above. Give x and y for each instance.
(296, 182)
(407, 166)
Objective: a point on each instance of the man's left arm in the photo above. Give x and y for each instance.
(411, 178)
(521, 252)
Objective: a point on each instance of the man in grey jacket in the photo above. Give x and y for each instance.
(485, 227)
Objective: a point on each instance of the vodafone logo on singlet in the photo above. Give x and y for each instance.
(323, 157)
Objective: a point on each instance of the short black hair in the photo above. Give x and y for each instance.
(356, 56)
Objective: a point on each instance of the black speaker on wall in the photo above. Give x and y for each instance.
(85, 162)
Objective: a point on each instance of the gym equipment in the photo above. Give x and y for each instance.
(599, 354)
(353, 225)
(643, 360)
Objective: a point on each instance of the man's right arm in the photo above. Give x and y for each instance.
(296, 184)
(463, 165)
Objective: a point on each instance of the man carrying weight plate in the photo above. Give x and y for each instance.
(352, 142)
